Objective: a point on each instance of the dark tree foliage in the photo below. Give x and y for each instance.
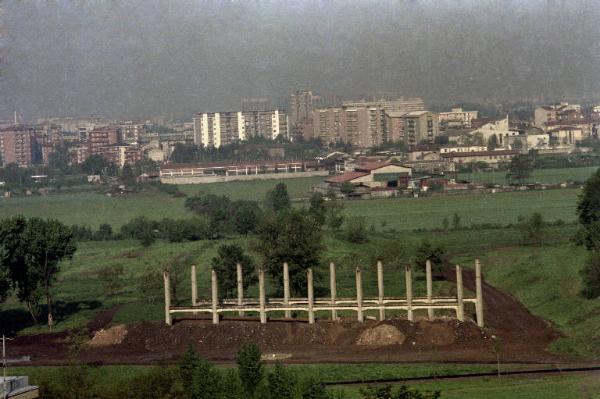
(435, 253)
(59, 160)
(184, 153)
(282, 383)
(104, 232)
(94, 165)
(318, 209)
(225, 264)
(591, 276)
(519, 168)
(588, 212)
(403, 392)
(141, 229)
(250, 368)
(293, 237)
(246, 216)
(32, 250)
(278, 199)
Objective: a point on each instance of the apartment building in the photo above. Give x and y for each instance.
(121, 155)
(214, 129)
(301, 107)
(102, 137)
(132, 132)
(17, 145)
(555, 113)
(457, 118)
(420, 126)
(362, 123)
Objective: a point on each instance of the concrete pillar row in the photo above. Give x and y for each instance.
(194, 286)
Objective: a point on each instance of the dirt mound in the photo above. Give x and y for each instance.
(381, 335)
(437, 333)
(113, 336)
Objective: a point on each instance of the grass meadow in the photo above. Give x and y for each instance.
(548, 176)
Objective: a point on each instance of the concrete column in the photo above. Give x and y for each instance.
(286, 288)
(215, 296)
(167, 280)
(311, 296)
(194, 286)
(261, 291)
(460, 309)
(409, 293)
(429, 288)
(359, 295)
(240, 287)
(333, 290)
(479, 303)
(380, 289)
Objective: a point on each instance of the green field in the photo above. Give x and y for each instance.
(93, 209)
(548, 176)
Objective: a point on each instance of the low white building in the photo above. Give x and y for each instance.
(457, 117)
(462, 148)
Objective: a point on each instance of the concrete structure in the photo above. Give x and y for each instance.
(361, 305)
(120, 155)
(466, 148)
(567, 135)
(457, 118)
(214, 129)
(17, 145)
(17, 388)
(132, 132)
(556, 112)
(492, 158)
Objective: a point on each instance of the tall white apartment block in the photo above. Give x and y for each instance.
(214, 129)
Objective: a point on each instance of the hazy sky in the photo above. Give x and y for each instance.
(140, 58)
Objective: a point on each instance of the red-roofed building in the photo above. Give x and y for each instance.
(373, 176)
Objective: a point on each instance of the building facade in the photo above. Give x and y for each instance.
(17, 145)
(457, 118)
(214, 129)
(361, 123)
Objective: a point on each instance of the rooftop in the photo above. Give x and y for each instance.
(346, 177)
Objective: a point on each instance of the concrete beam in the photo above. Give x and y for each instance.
(240, 287)
(194, 286)
(333, 290)
(460, 308)
(286, 287)
(380, 290)
(311, 296)
(429, 288)
(215, 296)
(409, 293)
(167, 282)
(479, 294)
(262, 294)
(359, 296)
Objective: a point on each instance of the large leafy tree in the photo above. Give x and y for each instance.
(278, 199)
(588, 212)
(520, 168)
(294, 237)
(225, 264)
(32, 249)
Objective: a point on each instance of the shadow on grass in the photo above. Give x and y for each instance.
(15, 320)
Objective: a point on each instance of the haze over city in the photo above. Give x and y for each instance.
(143, 58)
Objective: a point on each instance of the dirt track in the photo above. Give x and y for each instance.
(524, 338)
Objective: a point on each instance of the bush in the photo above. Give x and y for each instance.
(532, 228)
(435, 253)
(356, 231)
(225, 264)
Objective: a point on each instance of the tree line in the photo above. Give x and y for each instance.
(196, 378)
